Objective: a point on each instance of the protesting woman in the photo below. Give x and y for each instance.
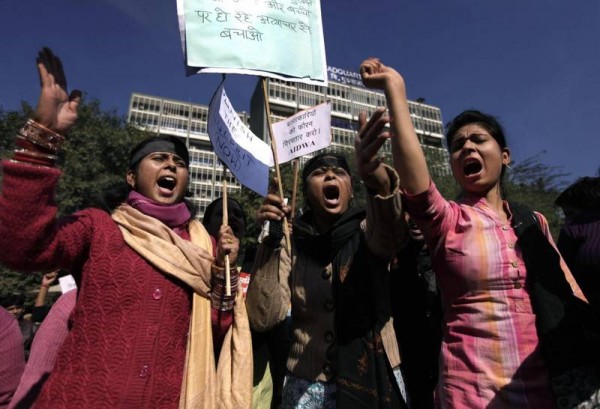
(490, 354)
(343, 350)
(146, 275)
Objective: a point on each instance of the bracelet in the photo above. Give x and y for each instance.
(30, 146)
(218, 299)
(222, 306)
(219, 272)
(222, 302)
(41, 136)
(35, 154)
(219, 287)
(34, 158)
(45, 286)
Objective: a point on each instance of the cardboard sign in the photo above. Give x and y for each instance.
(273, 38)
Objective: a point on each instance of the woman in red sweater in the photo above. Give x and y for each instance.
(149, 286)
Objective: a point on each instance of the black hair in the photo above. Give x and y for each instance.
(210, 209)
(13, 299)
(583, 194)
(215, 205)
(488, 122)
(160, 143)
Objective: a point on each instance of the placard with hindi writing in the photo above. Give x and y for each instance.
(275, 38)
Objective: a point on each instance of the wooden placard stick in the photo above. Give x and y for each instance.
(225, 223)
(286, 229)
(296, 165)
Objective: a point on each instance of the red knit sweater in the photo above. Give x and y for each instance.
(127, 345)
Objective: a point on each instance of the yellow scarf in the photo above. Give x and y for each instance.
(206, 385)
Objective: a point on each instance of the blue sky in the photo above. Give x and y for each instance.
(534, 64)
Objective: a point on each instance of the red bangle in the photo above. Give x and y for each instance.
(35, 158)
(26, 157)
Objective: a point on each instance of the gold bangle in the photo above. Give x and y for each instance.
(220, 271)
(41, 136)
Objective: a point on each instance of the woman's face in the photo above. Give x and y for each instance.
(161, 177)
(235, 219)
(476, 159)
(329, 192)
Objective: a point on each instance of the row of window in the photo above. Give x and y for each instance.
(429, 126)
(145, 103)
(424, 111)
(172, 108)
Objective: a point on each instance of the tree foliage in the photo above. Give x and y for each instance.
(536, 184)
(93, 160)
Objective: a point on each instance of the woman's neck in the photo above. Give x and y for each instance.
(495, 202)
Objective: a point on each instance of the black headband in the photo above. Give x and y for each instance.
(159, 144)
(325, 160)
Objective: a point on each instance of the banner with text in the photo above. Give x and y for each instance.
(303, 133)
(274, 38)
(244, 154)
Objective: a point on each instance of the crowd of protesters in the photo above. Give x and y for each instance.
(415, 301)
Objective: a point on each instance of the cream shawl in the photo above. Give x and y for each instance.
(206, 384)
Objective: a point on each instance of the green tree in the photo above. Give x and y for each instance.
(536, 184)
(93, 161)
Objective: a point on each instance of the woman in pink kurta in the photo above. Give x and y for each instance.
(490, 354)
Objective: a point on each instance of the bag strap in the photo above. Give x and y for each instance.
(522, 218)
(541, 258)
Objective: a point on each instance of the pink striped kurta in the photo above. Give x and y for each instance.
(490, 356)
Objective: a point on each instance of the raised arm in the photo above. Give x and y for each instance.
(47, 280)
(409, 160)
(40, 139)
(386, 229)
(27, 207)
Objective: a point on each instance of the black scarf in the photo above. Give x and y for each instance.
(361, 292)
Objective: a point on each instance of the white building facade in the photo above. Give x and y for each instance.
(348, 98)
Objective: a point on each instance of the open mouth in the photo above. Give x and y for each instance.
(472, 168)
(332, 195)
(167, 182)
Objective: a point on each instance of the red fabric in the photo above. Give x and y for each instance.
(128, 341)
(12, 359)
(44, 349)
(221, 321)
